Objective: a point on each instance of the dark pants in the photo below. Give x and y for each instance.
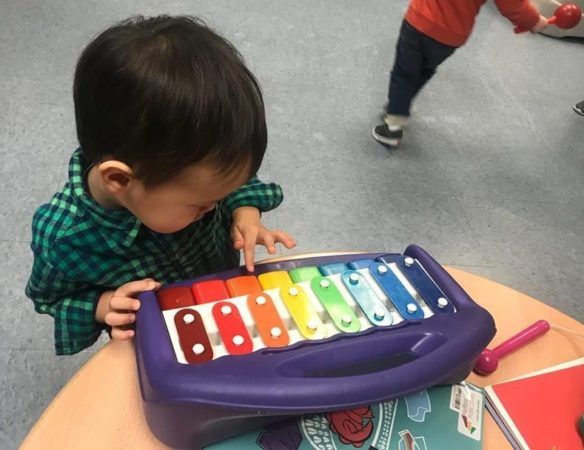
(416, 58)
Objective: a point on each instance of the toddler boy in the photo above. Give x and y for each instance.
(172, 131)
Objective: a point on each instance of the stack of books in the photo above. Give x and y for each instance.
(440, 418)
(541, 410)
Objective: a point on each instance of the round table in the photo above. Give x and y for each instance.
(101, 406)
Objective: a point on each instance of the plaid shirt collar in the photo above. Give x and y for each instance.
(120, 224)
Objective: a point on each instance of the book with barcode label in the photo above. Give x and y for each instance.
(439, 418)
(540, 410)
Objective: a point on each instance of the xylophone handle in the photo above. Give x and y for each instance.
(522, 338)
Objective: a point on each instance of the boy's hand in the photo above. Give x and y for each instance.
(118, 308)
(540, 25)
(248, 231)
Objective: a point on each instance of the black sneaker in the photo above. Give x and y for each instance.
(382, 135)
(579, 108)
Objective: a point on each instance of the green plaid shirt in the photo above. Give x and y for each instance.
(81, 250)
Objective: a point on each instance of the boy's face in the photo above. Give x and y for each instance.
(174, 205)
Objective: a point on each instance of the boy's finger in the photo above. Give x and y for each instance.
(116, 319)
(237, 238)
(120, 303)
(284, 238)
(250, 239)
(268, 240)
(135, 287)
(121, 334)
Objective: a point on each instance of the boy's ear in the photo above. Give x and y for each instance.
(115, 175)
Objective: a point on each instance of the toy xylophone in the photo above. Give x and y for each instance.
(225, 353)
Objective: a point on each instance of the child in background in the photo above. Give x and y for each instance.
(431, 31)
(172, 131)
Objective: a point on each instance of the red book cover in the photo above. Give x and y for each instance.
(541, 410)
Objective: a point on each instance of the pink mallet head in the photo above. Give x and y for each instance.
(566, 16)
(487, 362)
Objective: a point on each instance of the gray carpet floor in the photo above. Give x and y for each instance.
(489, 177)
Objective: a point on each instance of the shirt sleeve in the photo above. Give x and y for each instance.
(71, 304)
(521, 13)
(263, 196)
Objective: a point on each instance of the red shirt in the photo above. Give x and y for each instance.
(451, 21)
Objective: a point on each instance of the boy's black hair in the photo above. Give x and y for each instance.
(164, 92)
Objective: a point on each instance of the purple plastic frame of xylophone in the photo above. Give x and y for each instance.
(189, 406)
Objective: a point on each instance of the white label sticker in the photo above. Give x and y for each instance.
(455, 394)
(469, 404)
